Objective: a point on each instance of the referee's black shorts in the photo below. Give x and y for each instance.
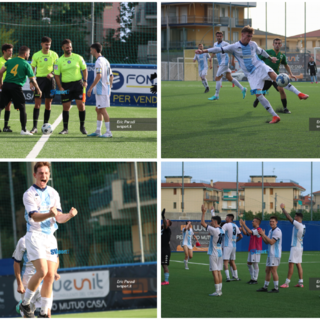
(12, 92)
(312, 72)
(45, 85)
(268, 84)
(165, 256)
(75, 89)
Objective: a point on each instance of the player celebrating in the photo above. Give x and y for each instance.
(18, 69)
(203, 66)
(101, 84)
(69, 66)
(223, 60)
(255, 70)
(214, 250)
(274, 242)
(187, 234)
(44, 60)
(313, 70)
(298, 232)
(232, 236)
(255, 247)
(282, 59)
(7, 50)
(42, 212)
(165, 247)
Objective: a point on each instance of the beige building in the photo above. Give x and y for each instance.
(316, 198)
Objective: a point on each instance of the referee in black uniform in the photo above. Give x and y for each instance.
(165, 247)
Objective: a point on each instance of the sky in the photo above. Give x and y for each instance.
(276, 14)
(299, 172)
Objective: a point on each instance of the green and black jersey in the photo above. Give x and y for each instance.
(282, 59)
(18, 69)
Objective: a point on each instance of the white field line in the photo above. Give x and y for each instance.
(206, 264)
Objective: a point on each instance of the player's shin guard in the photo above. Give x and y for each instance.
(255, 271)
(45, 303)
(227, 274)
(65, 119)
(99, 125)
(23, 117)
(205, 82)
(6, 118)
(107, 124)
(266, 104)
(27, 297)
(232, 271)
(35, 117)
(82, 117)
(291, 88)
(218, 87)
(250, 268)
(237, 83)
(166, 276)
(46, 116)
(284, 103)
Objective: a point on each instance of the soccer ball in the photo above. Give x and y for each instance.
(46, 128)
(282, 80)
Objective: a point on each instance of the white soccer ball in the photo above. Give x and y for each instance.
(282, 80)
(46, 128)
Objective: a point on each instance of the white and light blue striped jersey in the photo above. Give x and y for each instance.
(21, 253)
(40, 200)
(202, 61)
(275, 249)
(223, 58)
(231, 234)
(102, 66)
(215, 242)
(298, 232)
(187, 237)
(247, 55)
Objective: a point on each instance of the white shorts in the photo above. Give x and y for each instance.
(273, 262)
(189, 247)
(102, 101)
(229, 253)
(253, 257)
(259, 76)
(203, 73)
(215, 263)
(41, 246)
(222, 70)
(295, 255)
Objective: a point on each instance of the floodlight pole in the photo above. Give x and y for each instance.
(305, 39)
(92, 28)
(285, 29)
(266, 27)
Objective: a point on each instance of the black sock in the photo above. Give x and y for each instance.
(35, 117)
(284, 103)
(65, 118)
(46, 115)
(6, 118)
(23, 119)
(82, 117)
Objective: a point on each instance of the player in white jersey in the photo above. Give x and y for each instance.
(214, 250)
(223, 60)
(246, 51)
(187, 234)
(203, 66)
(231, 237)
(298, 232)
(274, 242)
(102, 90)
(42, 213)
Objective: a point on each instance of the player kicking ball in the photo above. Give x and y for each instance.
(223, 60)
(42, 212)
(296, 251)
(187, 234)
(202, 59)
(274, 242)
(246, 51)
(282, 59)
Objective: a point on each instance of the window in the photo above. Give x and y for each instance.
(264, 191)
(271, 191)
(174, 191)
(235, 36)
(271, 205)
(223, 12)
(174, 205)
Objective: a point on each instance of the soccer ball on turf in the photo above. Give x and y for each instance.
(46, 128)
(282, 80)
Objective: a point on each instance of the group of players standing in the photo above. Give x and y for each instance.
(222, 249)
(259, 66)
(68, 73)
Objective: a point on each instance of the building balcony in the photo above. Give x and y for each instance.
(241, 197)
(211, 198)
(229, 209)
(298, 198)
(229, 198)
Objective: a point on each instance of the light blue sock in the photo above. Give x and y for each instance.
(311, 78)
(315, 78)
(166, 277)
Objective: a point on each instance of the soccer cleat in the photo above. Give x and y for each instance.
(233, 85)
(275, 119)
(274, 290)
(34, 130)
(244, 92)
(207, 90)
(43, 315)
(284, 286)
(106, 135)
(255, 103)
(303, 96)
(83, 130)
(93, 135)
(250, 282)
(285, 110)
(186, 268)
(228, 280)
(64, 131)
(26, 310)
(164, 283)
(6, 129)
(299, 285)
(254, 282)
(235, 279)
(26, 133)
(263, 289)
(215, 294)
(214, 98)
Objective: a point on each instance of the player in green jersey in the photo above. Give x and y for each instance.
(18, 69)
(7, 50)
(43, 61)
(69, 67)
(282, 59)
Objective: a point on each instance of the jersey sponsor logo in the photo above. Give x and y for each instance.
(45, 59)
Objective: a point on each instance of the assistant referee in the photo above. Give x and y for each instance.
(18, 69)
(69, 67)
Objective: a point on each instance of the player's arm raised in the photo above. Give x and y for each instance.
(39, 217)
(265, 239)
(282, 206)
(243, 224)
(65, 217)
(203, 223)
